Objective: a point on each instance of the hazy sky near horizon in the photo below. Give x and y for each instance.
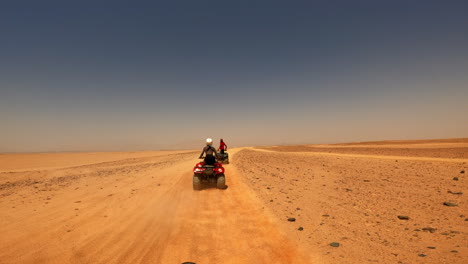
(133, 75)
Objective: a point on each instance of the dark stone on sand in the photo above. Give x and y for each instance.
(455, 178)
(300, 228)
(450, 204)
(431, 247)
(462, 171)
(454, 251)
(403, 217)
(189, 263)
(291, 219)
(429, 229)
(422, 255)
(335, 244)
(457, 193)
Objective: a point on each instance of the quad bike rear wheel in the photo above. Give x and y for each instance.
(196, 182)
(221, 182)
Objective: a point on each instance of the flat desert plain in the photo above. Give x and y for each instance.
(372, 202)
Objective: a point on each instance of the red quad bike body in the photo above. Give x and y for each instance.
(222, 158)
(208, 174)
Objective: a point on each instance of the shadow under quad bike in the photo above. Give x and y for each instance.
(204, 175)
(222, 158)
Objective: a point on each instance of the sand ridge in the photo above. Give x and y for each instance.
(431, 149)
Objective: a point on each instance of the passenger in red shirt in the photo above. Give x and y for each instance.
(222, 146)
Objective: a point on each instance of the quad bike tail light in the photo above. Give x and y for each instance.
(198, 169)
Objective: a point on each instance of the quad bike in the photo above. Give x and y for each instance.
(222, 158)
(208, 174)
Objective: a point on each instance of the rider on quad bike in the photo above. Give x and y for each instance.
(208, 172)
(222, 157)
(222, 146)
(210, 152)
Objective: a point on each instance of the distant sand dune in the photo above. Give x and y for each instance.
(407, 142)
(452, 148)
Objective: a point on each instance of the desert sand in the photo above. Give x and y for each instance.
(379, 202)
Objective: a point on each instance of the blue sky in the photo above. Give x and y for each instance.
(130, 75)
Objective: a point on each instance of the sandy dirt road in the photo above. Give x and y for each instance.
(136, 208)
(140, 207)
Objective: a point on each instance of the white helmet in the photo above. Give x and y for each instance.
(209, 141)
